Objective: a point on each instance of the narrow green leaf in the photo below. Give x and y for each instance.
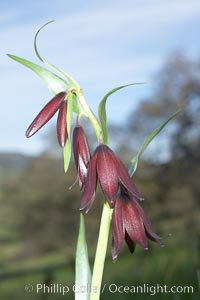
(135, 159)
(67, 154)
(67, 149)
(83, 273)
(67, 77)
(102, 110)
(53, 82)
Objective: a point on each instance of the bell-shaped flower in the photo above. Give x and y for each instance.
(55, 104)
(130, 223)
(82, 155)
(106, 167)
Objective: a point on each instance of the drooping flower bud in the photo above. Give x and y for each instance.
(55, 104)
(81, 152)
(62, 124)
(45, 114)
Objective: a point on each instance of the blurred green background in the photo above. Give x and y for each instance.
(39, 216)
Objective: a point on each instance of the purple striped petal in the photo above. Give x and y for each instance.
(90, 185)
(148, 228)
(81, 152)
(45, 114)
(107, 173)
(125, 179)
(133, 223)
(117, 229)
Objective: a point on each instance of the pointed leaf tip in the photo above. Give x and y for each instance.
(135, 159)
(102, 109)
(70, 81)
(53, 81)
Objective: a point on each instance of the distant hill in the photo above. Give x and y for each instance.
(11, 161)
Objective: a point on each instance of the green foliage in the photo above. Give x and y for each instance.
(55, 83)
(83, 273)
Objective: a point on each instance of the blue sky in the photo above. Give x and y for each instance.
(102, 44)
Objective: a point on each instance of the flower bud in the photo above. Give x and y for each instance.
(81, 154)
(62, 124)
(46, 114)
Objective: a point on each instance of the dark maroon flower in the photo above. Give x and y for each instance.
(112, 174)
(129, 222)
(62, 124)
(81, 152)
(55, 104)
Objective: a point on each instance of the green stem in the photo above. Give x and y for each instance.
(101, 252)
(106, 214)
(90, 115)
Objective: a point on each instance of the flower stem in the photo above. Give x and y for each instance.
(101, 252)
(94, 121)
(106, 214)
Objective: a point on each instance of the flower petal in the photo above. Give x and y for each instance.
(125, 179)
(45, 114)
(148, 228)
(133, 223)
(82, 172)
(117, 229)
(81, 152)
(80, 146)
(107, 172)
(62, 124)
(90, 185)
